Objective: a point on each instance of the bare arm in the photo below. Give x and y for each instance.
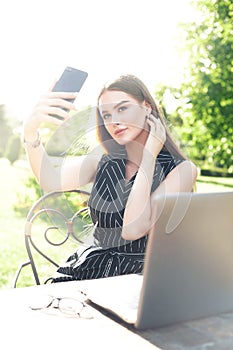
(138, 212)
(54, 173)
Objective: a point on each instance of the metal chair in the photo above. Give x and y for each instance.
(56, 225)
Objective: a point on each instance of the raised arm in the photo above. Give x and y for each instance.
(64, 174)
(138, 212)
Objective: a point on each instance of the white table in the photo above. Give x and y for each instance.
(23, 328)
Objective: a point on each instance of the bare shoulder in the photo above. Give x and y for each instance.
(181, 179)
(184, 174)
(188, 167)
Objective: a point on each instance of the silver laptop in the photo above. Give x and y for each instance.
(188, 273)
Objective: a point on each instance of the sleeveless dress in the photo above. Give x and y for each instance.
(111, 255)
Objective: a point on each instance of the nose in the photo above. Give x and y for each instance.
(115, 118)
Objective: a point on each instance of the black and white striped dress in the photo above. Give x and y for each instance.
(111, 255)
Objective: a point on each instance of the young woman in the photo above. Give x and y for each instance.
(140, 161)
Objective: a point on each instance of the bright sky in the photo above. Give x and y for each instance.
(103, 37)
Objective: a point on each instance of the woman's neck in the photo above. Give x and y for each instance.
(135, 148)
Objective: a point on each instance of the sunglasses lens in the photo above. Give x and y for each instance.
(41, 302)
(70, 306)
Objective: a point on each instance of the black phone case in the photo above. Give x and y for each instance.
(71, 80)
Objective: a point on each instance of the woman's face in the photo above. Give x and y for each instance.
(123, 116)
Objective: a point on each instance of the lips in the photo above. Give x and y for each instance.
(118, 132)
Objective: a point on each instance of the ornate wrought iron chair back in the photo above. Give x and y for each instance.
(55, 226)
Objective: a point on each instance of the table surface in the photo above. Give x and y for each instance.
(24, 328)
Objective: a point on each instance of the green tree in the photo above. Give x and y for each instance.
(5, 130)
(72, 137)
(205, 112)
(13, 149)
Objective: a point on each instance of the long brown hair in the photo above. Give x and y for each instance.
(134, 87)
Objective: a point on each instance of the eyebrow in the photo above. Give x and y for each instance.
(117, 105)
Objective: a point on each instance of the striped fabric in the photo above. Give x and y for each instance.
(111, 255)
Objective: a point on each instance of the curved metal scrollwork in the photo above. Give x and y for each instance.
(53, 221)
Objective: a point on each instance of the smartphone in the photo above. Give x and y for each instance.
(71, 80)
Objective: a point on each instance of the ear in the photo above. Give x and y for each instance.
(147, 107)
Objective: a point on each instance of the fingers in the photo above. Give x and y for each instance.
(153, 122)
(55, 105)
(51, 113)
(62, 95)
(58, 98)
(156, 127)
(60, 103)
(53, 108)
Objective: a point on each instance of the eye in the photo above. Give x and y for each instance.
(122, 109)
(106, 116)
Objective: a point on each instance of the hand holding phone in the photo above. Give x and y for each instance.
(71, 80)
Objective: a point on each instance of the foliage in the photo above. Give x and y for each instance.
(26, 198)
(73, 137)
(69, 203)
(5, 130)
(13, 149)
(10, 144)
(204, 116)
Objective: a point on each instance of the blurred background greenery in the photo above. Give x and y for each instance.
(199, 112)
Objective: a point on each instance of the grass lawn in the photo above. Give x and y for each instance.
(11, 225)
(214, 184)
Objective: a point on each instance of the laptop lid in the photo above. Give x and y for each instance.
(188, 273)
(188, 269)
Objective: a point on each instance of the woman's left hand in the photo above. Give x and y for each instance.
(156, 137)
